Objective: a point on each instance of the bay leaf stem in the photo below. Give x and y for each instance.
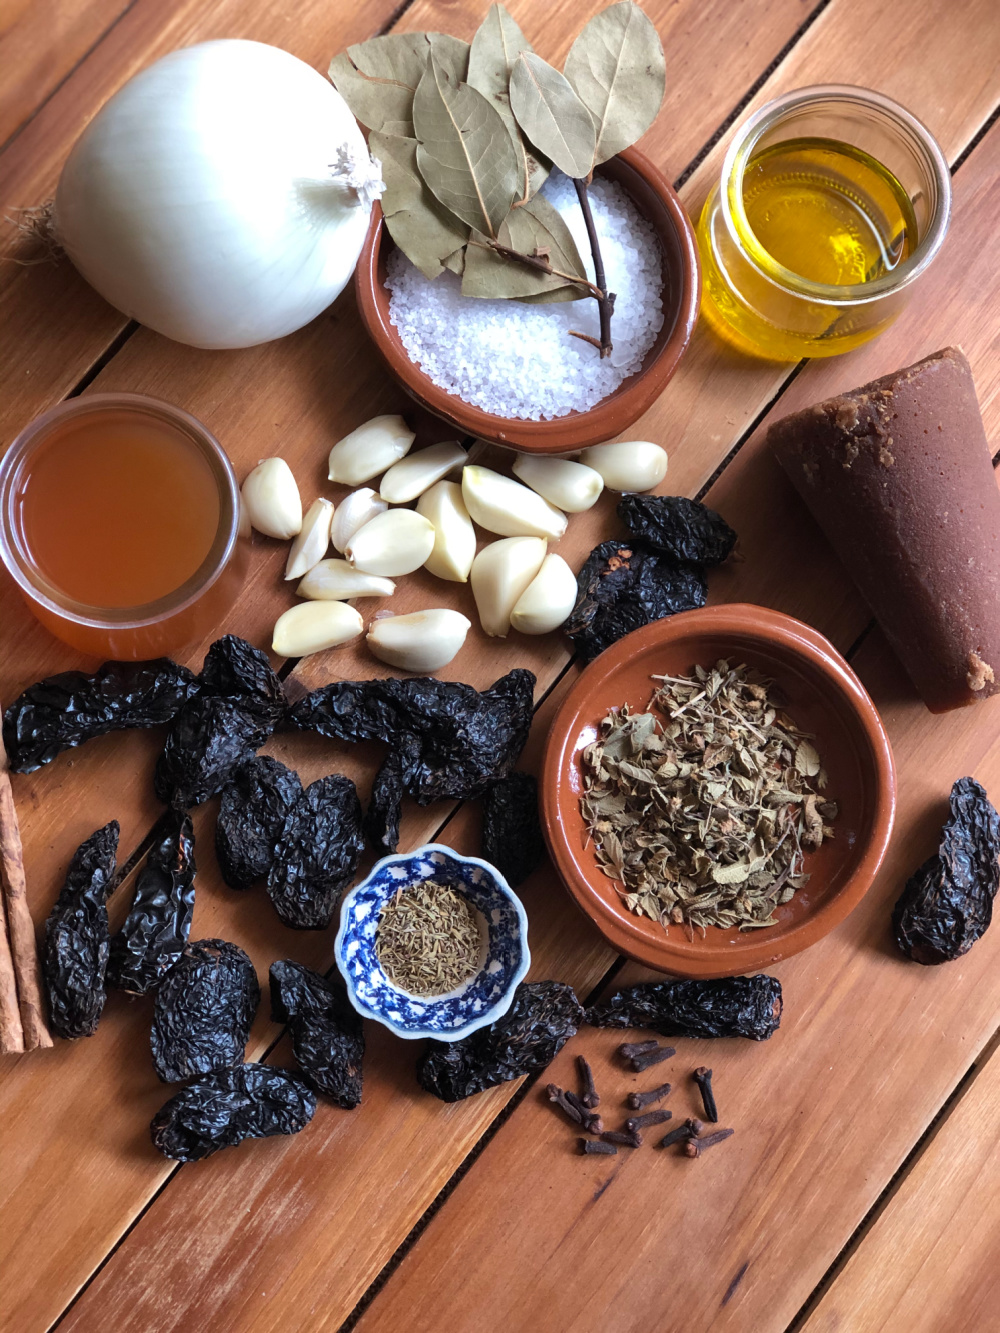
(540, 263)
(605, 299)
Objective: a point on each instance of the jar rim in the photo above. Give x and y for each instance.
(921, 139)
(21, 566)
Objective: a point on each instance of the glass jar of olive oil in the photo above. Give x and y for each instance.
(832, 201)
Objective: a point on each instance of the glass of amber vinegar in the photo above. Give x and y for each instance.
(120, 523)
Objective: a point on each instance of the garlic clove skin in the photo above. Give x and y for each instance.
(337, 580)
(631, 465)
(500, 574)
(396, 542)
(547, 600)
(311, 627)
(454, 536)
(310, 546)
(414, 474)
(421, 641)
(353, 512)
(572, 487)
(272, 501)
(504, 506)
(369, 450)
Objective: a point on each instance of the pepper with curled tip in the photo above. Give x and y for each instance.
(327, 1035)
(317, 853)
(204, 1008)
(385, 806)
(159, 922)
(238, 705)
(542, 1018)
(255, 803)
(251, 1101)
(454, 741)
(733, 1007)
(948, 903)
(75, 953)
(512, 834)
(685, 530)
(63, 711)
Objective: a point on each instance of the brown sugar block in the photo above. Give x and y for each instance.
(899, 476)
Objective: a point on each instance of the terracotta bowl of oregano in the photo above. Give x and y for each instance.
(718, 791)
(530, 277)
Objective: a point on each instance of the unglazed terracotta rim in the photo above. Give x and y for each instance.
(752, 952)
(613, 414)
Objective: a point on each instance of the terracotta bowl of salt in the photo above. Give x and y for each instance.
(820, 694)
(658, 204)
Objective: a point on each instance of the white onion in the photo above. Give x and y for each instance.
(221, 197)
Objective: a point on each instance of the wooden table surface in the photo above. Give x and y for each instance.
(861, 1190)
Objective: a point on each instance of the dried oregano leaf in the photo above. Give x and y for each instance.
(616, 67)
(495, 47)
(464, 154)
(552, 115)
(377, 79)
(425, 231)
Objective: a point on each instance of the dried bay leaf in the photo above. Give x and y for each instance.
(378, 78)
(616, 66)
(428, 234)
(551, 114)
(536, 227)
(464, 152)
(495, 47)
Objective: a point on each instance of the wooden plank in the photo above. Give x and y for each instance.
(309, 1170)
(41, 42)
(932, 1258)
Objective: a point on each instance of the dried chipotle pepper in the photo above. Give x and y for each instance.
(327, 1035)
(948, 903)
(251, 1101)
(317, 853)
(512, 835)
(731, 1007)
(685, 530)
(385, 806)
(252, 812)
(204, 1008)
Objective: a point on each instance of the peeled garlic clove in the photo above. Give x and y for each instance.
(454, 536)
(353, 512)
(414, 474)
(272, 499)
(312, 626)
(547, 600)
(370, 449)
(336, 581)
(501, 505)
(500, 574)
(420, 641)
(310, 546)
(393, 543)
(632, 465)
(571, 486)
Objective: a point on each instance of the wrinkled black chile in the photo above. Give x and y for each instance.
(239, 704)
(159, 921)
(623, 586)
(317, 854)
(327, 1036)
(948, 903)
(63, 711)
(385, 807)
(75, 955)
(454, 740)
(512, 833)
(251, 1101)
(204, 1008)
(543, 1017)
(252, 812)
(732, 1007)
(688, 532)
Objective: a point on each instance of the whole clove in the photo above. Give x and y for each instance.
(591, 1097)
(590, 1120)
(559, 1097)
(636, 1122)
(598, 1147)
(630, 1049)
(703, 1077)
(637, 1100)
(695, 1146)
(679, 1135)
(649, 1058)
(695, 1126)
(629, 1138)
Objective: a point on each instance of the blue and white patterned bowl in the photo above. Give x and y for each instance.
(481, 1000)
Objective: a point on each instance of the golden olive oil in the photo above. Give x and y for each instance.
(813, 209)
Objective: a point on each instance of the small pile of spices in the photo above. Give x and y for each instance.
(704, 810)
(428, 941)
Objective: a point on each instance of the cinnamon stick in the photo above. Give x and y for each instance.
(11, 1032)
(20, 927)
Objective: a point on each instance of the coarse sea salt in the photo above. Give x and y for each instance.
(518, 360)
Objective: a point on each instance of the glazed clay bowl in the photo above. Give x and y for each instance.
(659, 204)
(823, 696)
